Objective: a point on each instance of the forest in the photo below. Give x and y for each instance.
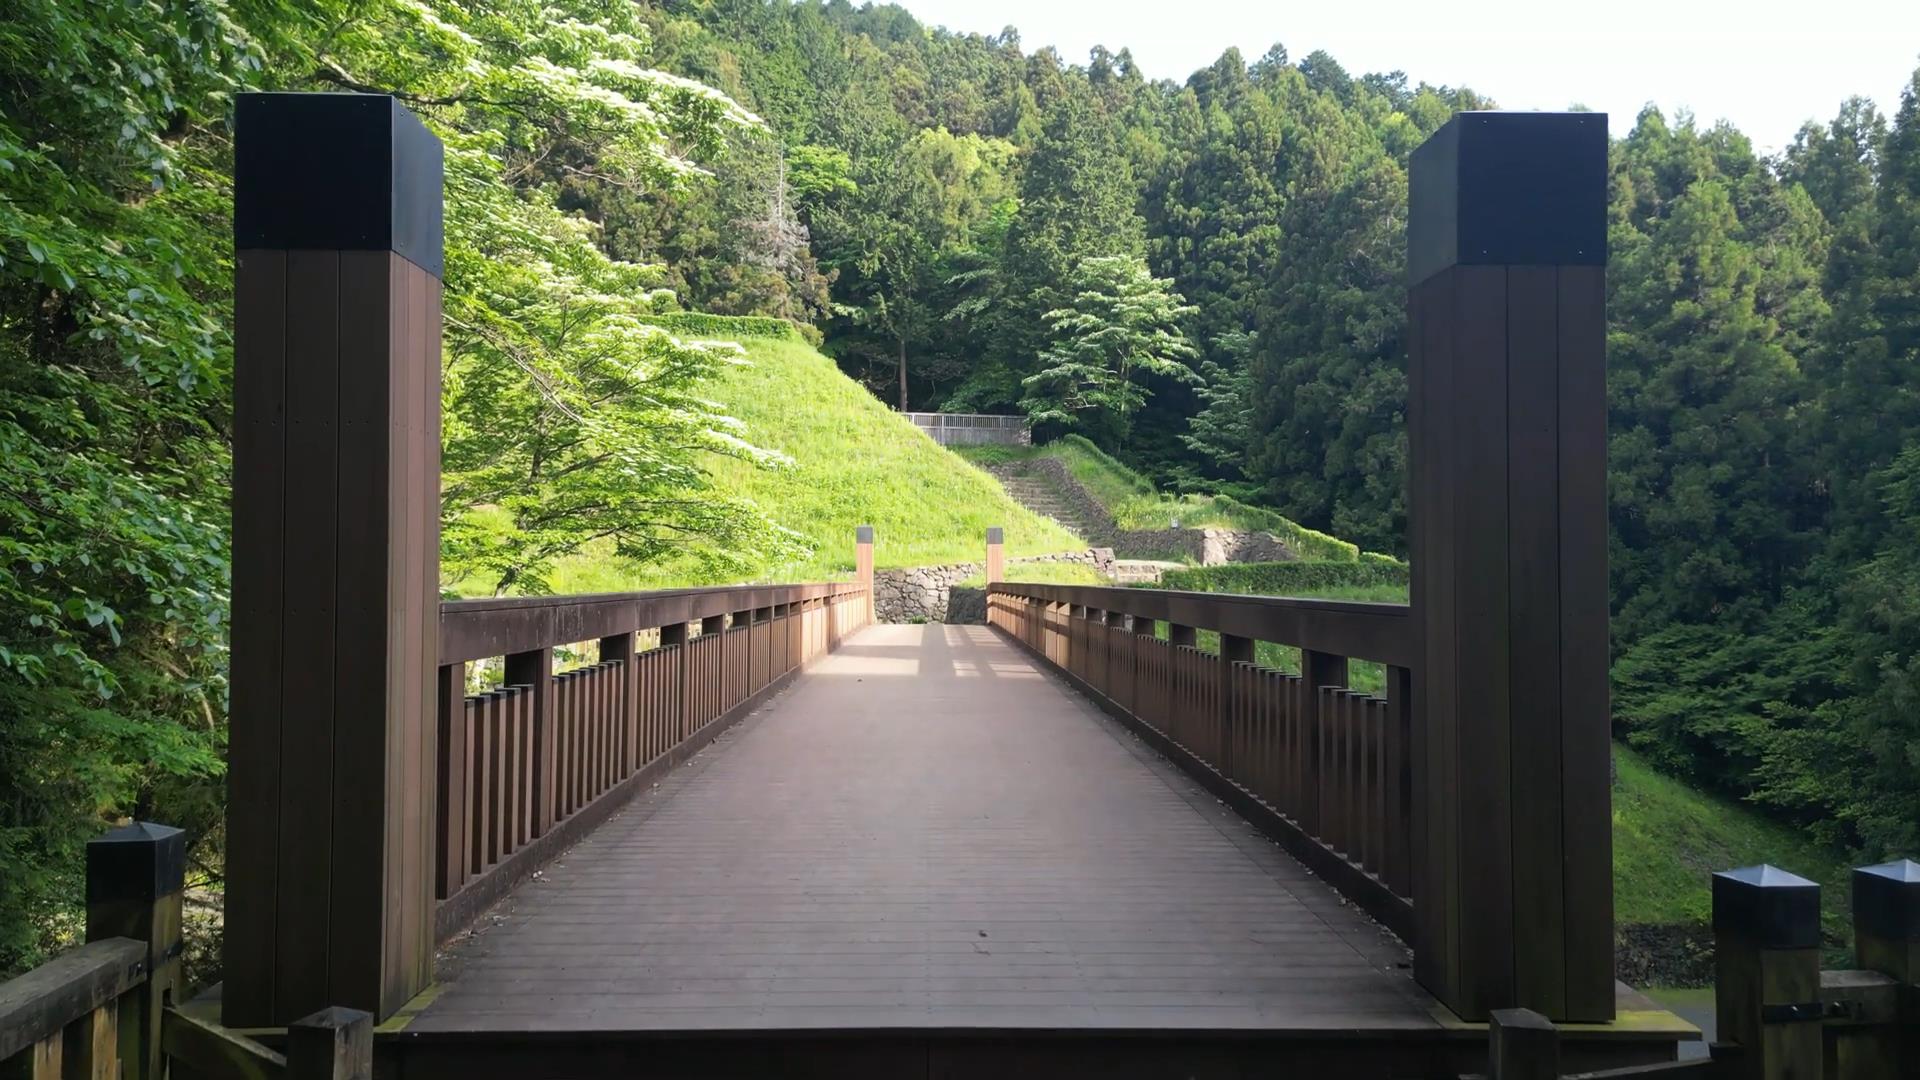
(1202, 277)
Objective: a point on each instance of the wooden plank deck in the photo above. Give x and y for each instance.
(925, 832)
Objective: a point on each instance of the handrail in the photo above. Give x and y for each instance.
(483, 628)
(528, 769)
(1357, 629)
(1321, 767)
(42, 1002)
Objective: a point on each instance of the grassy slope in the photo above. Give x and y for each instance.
(1136, 504)
(856, 462)
(1668, 839)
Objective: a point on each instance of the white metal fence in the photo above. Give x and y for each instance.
(954, 429)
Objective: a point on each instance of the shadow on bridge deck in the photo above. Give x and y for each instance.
(923, 837)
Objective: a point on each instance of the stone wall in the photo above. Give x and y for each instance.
(921, 594)
(1206, 545)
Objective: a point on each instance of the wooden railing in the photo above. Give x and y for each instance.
(109, 1010)
(1321, 766)
(526, 768)
(1778, 1015)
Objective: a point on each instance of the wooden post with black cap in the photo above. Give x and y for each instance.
(863, 565)
(330, 817)
(1766, 954)
(136, 880)
(1512, 865)
(1886, 941)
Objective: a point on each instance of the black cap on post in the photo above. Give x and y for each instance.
(1768, 907)
(136, 862)
(1886, 900)
(336, 172)
(863, 534)
(1509, 188)
(1507, 524)
(996, 535)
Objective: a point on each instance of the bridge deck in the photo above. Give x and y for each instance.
(926, 832)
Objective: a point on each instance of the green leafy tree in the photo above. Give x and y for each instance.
(115, 361)
(1220, 431)
(1122, 325)
(1077, 202)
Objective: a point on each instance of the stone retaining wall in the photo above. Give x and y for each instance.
(927, 593)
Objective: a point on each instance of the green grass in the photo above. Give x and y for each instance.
(1668, 839)
(855, 462)
(1136, 504)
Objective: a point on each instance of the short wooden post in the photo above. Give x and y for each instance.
(1233, 650)
(534, 670)
(332, 1044)
(1886, 939)
(336, 527)
(450, 858)
(1513, 878)
(863, 564)
(136, 877)
(1318, 671)
(1402, 784)
(996, 556)
(621, 647)
(1522, 1045)
(1766, 946)
(677, 635)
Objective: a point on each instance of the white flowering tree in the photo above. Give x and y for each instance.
(569, 421)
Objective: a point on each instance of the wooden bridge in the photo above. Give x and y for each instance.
(743, 831)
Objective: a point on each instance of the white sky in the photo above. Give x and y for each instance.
(1766, 65)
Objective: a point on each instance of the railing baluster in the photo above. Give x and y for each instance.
(476, 786)
(509, 771)
(451, 780)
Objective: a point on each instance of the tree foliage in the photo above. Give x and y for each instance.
(1764, 332)
(116, 361)
(963, 224)
(1122, 325)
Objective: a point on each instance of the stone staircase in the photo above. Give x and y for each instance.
(1035, 491)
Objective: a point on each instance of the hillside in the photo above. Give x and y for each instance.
(854, 462)
(1136, 504)
(1668, 840)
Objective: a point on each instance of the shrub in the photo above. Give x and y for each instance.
(699, 324)
(1374, 572)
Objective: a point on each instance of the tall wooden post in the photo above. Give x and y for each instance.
(330, 817)
(996, 555)
(863, 564)
(1513, 874)
(1766, 955)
